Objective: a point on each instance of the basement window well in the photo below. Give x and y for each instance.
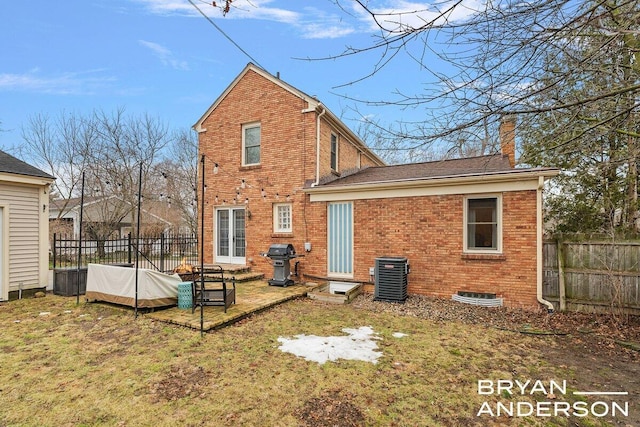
(484, 299)
(341, 288)
(336, 292)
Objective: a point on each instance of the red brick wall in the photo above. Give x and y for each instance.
(366, 161)
(288, 159)
(428, 231)
(348, 155)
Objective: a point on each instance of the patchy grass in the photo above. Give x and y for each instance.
(92, 364)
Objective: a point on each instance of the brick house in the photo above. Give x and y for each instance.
(281, 168)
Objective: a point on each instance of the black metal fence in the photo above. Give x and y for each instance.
(163, 253)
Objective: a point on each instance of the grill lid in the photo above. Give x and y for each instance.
(281, 250)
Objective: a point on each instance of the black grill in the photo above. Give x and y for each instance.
(281, 251)
(280, 254)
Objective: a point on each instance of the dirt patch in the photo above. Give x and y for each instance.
(180, 382)
(332, 408)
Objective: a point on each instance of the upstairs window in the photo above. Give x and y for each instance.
(251, 144)
(334, 152)
(483, 224)
(282, 218)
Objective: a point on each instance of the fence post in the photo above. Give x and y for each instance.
(162, 252)
(129, 248)
(54, 250)
(561, 285)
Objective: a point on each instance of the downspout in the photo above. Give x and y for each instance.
(324, 110)
(539, 234)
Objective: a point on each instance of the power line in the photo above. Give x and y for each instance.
(225, 34)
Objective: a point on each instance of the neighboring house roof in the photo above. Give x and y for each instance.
(61, 207)
(10, 164)
(69, 204)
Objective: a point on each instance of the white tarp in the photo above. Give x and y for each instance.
(118, 285)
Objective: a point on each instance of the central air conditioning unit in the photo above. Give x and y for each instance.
(391, 279)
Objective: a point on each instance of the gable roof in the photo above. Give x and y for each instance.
(313, 104)
(13, 165)
(64, 206)
(74, 202)
(311, 101)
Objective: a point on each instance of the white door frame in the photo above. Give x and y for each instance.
(229, 239)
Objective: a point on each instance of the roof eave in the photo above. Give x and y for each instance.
(25, 179)
(451, 180)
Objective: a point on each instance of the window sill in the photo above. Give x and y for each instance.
(282, 235)
(484, 257)
(250, 167)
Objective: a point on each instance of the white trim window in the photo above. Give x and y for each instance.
(282, 218)
(334, 152)
(483, 224)
(251, 144)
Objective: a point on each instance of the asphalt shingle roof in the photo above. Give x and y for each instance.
(10, 164)
(453, 167)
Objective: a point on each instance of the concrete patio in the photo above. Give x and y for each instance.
(251, 297)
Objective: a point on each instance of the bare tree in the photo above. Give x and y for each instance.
(569, 70)
(495, 55)
(60, 147)
(125, 145)
(180, 177)
(109, 148)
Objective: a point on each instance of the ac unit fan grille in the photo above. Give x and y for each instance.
(391, 279)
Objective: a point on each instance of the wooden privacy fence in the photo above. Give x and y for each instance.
(592, 276)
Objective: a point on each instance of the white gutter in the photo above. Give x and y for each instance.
(539, 234)
(15, 178)
(513, 175)
(324, 110)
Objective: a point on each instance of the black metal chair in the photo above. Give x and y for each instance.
(217, 292)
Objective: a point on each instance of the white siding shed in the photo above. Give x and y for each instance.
(24, 226)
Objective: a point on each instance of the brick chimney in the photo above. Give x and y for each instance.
(508, 138)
